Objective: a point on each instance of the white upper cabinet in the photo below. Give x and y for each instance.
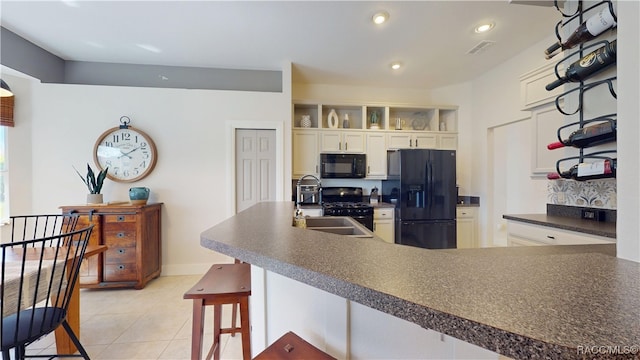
(376, 156)
(371, 129)
(305, 156)
(342, 141)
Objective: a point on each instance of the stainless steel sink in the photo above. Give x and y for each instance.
(341, 225)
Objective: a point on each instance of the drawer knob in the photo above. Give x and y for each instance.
(120, 235)
(120, 267)
(121, 251)
(120, 218)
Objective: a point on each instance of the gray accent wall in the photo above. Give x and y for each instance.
(95, 73)
(28, 58)
(23, 56)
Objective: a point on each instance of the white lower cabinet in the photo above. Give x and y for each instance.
(467, 227)
(525, 234)
(342, 328)
(383, 225)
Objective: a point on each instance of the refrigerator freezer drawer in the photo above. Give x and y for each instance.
(427, 234)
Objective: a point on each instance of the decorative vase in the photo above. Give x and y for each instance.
(138, 195)
(94, 199)
(306, 121)
(373, 120)
(332, 119)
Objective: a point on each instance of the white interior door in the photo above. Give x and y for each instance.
(255, 167)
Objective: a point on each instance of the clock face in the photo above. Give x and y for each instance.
(129, 153)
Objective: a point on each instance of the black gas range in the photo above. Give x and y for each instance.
(347, 201)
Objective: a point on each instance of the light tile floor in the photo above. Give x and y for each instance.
(152, 323)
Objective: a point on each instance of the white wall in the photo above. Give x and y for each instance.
(57, 126)
(496, 102)
(629, 132)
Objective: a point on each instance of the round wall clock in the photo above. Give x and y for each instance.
(129, 153)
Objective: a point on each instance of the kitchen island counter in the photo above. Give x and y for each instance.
(606, 229)
(525, 303)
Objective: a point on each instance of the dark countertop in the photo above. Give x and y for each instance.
(607, 229)
(523, 302)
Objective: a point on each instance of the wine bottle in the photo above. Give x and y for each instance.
(589, 136)
(588, 30)
(588, 171)
(590, 64)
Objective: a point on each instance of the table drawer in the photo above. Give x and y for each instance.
(120, 218)
(120, 272)
(120, 232)
(120, 254)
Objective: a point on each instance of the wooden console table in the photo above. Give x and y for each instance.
(133, 235)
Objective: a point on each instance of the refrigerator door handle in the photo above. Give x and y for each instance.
(425, 188)
(429, 185)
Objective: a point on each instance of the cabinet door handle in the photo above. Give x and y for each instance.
(410, 142)
(368, 169)
(551, 237)
(340, 146)
(346, 146)
(316, 168)
(416, 142)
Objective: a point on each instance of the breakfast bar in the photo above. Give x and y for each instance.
(551, 302)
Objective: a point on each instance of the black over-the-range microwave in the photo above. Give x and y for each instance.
(343, 166)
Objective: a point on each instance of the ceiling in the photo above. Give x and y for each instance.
(328, 42)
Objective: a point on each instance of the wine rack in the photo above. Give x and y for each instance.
(571, 103)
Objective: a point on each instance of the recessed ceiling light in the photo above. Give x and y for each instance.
(484, 27)
(380, 17)
(396, 65)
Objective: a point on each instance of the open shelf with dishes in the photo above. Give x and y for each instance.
(375, 117)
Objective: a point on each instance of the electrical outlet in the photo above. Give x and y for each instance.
(593, 214)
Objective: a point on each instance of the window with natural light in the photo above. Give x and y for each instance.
(4, 177)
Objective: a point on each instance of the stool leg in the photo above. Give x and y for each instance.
(245, 331)
(197, 329)
(217, 315)
(234, 314)
(234, 311)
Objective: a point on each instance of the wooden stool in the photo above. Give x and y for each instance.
(292, 346)
(222, 284)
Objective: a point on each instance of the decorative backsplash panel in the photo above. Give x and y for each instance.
(592, 193)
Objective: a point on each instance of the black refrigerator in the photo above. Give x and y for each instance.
(422, 185)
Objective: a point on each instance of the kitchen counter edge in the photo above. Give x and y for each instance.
(606, 229)
(258, 235)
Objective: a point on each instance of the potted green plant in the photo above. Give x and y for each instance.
(94, 184)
